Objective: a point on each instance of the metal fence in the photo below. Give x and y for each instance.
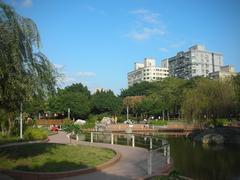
(158, 148)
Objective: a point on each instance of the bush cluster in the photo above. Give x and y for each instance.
(35, 134)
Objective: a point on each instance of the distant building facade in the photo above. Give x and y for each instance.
(147, 71)
(225, 72)
(197, 61)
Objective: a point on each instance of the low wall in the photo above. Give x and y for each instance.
(49, 122)
(151, 128)
(123, 127)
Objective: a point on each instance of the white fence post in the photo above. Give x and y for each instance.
(168, 154)
(150, 143)
(133, 141)
(112, 138)
(91, 137)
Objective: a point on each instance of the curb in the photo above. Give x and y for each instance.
(26, 175)
(23, 143)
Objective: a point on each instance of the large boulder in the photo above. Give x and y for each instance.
(213, 139)
(80, 122)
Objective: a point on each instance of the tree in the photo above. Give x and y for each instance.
(169, 93)
(105, 101)
(132, 103)
(236, 85)
(75, 97)
(25, 71)
(138, 89)
(209, 99)
(72, 129)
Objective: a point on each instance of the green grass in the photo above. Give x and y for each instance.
(44, 157)
(158, 122)
(9, 139)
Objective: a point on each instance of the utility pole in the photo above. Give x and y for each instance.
(69, 113)
(21, 118)
(127, 113)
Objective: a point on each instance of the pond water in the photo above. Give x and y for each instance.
(195, 160)
(204, 162)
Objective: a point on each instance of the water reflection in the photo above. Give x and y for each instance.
(204, 161)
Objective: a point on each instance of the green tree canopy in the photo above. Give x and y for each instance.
(105, 101)
(138, 89)
(209, 99)
(75, 97)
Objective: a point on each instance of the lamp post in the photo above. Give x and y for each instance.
(21, 118)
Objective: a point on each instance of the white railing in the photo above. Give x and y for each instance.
(133, 140)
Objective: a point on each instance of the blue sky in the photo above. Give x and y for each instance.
(97, 42)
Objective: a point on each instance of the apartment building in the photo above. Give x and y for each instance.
(197, 61)
(147, 71)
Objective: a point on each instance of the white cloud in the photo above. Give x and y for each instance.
(148, 25)
(146, 33)
(66, 80)
(94, 9)
(162, 49)
(147, 16)
(86, 74)
(59, 66)
(177, 44)
(26, 3)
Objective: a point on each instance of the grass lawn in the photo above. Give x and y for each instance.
(45, 157)
(10, 139)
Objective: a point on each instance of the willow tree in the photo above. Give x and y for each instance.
(25, 72)
(209, 100)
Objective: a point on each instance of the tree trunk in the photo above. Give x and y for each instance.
(3, 129)
(9, 123)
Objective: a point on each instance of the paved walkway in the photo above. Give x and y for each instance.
(132, 165)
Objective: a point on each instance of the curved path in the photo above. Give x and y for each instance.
(132, 165)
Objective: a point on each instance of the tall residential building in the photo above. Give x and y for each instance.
(147, 71)
(197, 61)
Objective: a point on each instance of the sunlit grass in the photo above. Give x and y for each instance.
(52, 157)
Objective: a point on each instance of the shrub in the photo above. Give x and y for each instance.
(35, 134)
(158, 122)
(218, 123)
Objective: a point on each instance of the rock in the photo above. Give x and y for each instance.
(213, 139)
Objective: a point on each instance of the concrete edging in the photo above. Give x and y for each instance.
(23, 143)
(25, 175)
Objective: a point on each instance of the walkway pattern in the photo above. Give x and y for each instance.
(132, 165)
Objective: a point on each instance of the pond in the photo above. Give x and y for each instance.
(205, 162)
(195, 160)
